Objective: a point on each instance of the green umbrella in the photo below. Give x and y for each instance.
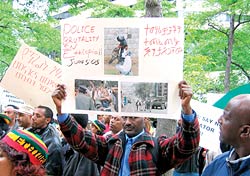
(221, 103)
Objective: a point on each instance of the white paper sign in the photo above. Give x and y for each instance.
(8, 98)
(137, 61)
(208, 118)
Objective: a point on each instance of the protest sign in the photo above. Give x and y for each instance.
(129, 66)
(208, 118)
(32, 77)
(7, 98)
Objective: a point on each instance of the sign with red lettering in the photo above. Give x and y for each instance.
(141, 59)
(32, 77)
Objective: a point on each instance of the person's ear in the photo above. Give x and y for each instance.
(245, 131)
(48, 120)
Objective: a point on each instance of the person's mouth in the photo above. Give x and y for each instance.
(128, 128)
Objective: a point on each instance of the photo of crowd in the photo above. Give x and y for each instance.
(96, 95)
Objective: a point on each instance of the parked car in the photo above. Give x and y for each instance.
(158, 104)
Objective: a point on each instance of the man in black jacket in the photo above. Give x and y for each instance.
(41, 125)
(77, 164)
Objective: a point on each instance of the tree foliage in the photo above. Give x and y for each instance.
(16, 27)
(143, 90)
(7, 35)
(209, 34)
(206, 41)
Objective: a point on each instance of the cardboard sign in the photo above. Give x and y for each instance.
(32, 77)
(138, 62)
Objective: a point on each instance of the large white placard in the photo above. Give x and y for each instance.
(140, 74)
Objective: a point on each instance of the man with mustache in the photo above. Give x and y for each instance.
(116, 126)
(133, 152)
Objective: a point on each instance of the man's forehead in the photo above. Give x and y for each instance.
(39, 110)
(116, 117)
(132, 117)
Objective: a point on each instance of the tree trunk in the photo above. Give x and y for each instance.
(229, 55)
(167, 127)
(153, 8)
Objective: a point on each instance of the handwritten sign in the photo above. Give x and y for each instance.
(124, 51)
(74, 35)
(162, 41)
(32, 77)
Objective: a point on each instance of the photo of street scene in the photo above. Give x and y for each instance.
(144, 97)
(96, 95)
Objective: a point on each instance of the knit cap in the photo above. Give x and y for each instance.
(99, 125)
(27, 142)
(6, 119)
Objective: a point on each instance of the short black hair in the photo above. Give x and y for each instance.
(13, 106)
(48, 112)
(82, 119)
(82, 89)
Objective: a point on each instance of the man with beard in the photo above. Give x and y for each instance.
(41, 125)
(25, 113)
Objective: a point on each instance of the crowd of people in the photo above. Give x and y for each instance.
(99, 98)
(145, 105)
(32, 142)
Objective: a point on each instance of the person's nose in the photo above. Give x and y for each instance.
(111, 121)
(33, 117)
(220, 120)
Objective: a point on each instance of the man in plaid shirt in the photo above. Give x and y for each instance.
(133, 151)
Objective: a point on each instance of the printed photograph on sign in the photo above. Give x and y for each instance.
(144, 97)
(96, 95)
(121, 51)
